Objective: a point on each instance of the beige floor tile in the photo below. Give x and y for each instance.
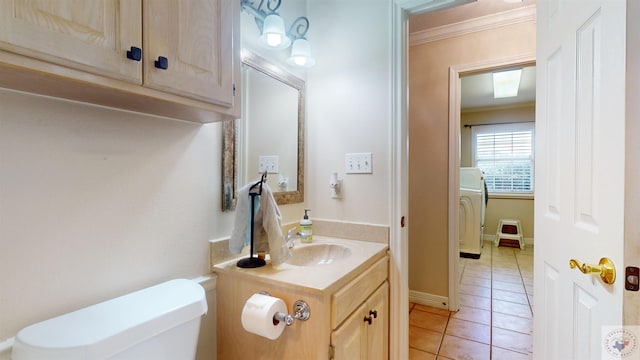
(476, 281)
(511, 340)
(510, 296)
(475, 301)
(495, 318)
(508, 277)
(526, 273)
(473, 314)
(513, 323)
(433, 310)
(458, 348)
(513, 287)
(527, 280)
(511, 269)
(427, 320)
(503, 354)
(469, 330)
(509, 308)
(415, 354)
(479, 272)
(425, 340)
(475, 290)
(528, 289)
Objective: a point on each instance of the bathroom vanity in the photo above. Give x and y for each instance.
(343, 281)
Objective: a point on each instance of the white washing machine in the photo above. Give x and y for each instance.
(471, 205)
(472, 211)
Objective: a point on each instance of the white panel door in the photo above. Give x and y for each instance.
(580, 144)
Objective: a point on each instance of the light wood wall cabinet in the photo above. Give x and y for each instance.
(178, 59)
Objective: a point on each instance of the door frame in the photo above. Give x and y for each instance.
(455, 91)
(399, 179)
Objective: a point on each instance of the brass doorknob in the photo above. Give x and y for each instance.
(605, 268)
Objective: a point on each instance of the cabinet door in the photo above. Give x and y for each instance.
(349, 340)
(196, 38)
(88, 35)
(378, 332)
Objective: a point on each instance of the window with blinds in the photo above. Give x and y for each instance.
(505, 154)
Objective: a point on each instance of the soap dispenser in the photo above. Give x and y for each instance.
(306, 228)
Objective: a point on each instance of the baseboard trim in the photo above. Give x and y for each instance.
(441, 302)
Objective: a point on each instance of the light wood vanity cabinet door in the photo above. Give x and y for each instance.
(365, 333)
(93, 37)
(349, 340)
(378, 331)
(196, 38)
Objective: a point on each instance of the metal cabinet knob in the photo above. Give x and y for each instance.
(135, 53)
(162, 63)
(368, 319)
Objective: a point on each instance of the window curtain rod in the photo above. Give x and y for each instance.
(502, 123)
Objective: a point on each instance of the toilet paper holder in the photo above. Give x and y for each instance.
(301, 311)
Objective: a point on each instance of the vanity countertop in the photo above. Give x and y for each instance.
(317, 278)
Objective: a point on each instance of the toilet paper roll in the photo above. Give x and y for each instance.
(257, 315)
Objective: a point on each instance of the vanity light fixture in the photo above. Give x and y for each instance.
(273, 34)
(506, 83)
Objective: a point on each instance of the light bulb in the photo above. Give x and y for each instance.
(274, 39)
(300, 60)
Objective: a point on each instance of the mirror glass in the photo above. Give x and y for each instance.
(270, 136)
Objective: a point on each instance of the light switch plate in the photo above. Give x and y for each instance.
(358, 163)
(268, 163)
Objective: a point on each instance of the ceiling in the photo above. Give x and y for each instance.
(477, 90)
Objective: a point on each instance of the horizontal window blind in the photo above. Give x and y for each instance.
(505, 155)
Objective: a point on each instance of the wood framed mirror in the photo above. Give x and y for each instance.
(272, 128)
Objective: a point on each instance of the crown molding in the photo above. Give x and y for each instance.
(511, 17)
(422, 6)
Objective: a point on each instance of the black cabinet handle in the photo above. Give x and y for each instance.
(162, 63)
(134, 54)
(374, 313)
(368, 319)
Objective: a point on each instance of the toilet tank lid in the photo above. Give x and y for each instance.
(120, 322)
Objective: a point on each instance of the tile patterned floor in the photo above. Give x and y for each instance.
(495, 320)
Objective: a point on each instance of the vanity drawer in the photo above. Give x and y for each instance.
(347, 299)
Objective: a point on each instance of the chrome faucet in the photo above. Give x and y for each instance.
(293, 234)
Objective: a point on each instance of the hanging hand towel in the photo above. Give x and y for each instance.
(241, 233)
(269, 221)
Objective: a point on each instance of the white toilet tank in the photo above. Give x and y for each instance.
(159, 322)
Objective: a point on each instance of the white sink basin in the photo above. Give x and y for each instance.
(318, 254)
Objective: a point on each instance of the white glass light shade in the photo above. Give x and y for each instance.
(301, 54)
(273, 34)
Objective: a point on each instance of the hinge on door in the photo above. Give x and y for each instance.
(234, 89)
(332, 352)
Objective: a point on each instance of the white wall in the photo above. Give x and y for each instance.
(96, 202)
(349, 107)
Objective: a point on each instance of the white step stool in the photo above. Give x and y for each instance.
(511, 231)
